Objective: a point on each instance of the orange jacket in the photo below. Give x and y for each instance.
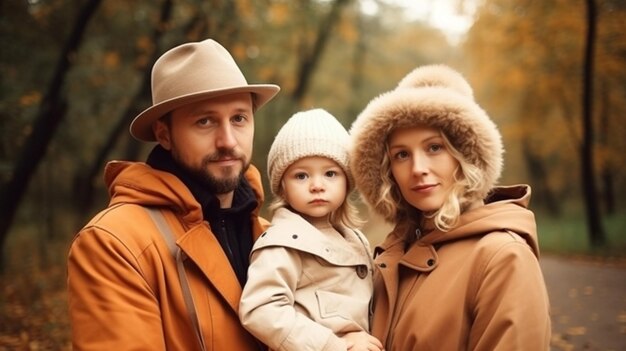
(124, 290)
(476, 287)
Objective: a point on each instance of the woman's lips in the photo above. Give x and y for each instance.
(423, 187)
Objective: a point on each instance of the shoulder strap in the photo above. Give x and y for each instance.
(166, 232)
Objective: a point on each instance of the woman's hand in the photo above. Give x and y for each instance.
(362, 341)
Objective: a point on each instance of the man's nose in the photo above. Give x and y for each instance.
(225, 137)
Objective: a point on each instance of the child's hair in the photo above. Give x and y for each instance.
(312, 133)
(466, 189)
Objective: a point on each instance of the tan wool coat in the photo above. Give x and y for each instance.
(307, 288)
(477, 287)
(124, 289)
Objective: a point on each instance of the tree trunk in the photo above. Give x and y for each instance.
(539, 175)
(50, 114)
(358, 62)
(84, 181)
(594, 222)
(311, 58)
(608, 187)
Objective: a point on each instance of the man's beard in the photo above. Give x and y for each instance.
(210, 181)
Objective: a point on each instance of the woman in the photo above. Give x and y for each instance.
(460, 270)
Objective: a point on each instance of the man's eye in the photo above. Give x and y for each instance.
(239, 118)
(203, 121)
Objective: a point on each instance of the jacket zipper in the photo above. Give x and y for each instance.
(227, 244)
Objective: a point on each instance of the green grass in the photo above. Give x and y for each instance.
(568, 235)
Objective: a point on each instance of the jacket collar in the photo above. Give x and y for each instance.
(138, 183)
(505, 209)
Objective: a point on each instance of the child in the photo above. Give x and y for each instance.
(310, 277)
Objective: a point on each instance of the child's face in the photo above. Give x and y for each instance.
(314, 187)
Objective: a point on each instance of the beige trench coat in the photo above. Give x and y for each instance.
(305, 288)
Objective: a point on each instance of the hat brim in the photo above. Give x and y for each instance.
(141, 126)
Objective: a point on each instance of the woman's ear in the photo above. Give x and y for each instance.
(162, 134)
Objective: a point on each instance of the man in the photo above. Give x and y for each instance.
(162, 268)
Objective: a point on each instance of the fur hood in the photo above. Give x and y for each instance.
(436, 96)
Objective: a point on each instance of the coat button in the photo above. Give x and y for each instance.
(361, 271)
(262, 235)
(295, 236)
(430, 262)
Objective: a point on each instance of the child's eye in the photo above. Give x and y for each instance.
(301, 176)
(331, 174)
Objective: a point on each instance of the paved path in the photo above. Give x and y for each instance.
(588, 303)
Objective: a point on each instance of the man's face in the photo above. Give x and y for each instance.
(212, 139)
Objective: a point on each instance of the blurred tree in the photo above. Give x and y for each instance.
(528, 67)
(51, 111)
(592, 205)
(310, 56)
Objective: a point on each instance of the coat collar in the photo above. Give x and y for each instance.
(291, 230)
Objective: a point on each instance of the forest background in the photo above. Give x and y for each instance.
(551, 73)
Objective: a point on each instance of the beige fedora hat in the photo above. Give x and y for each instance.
(190, 73)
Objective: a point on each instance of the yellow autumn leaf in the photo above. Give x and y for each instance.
(576, 331)
(111, 60)
(279, 13)
(31, 98)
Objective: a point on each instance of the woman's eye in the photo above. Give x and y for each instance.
(435, 147)
(401, 155)
(203, 121)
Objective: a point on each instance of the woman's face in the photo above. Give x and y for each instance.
(422, 166)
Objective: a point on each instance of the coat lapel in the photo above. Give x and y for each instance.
(205, 251)
(202, 247)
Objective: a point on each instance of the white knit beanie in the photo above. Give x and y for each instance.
(310, 133)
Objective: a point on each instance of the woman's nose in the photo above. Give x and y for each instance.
(420, 165)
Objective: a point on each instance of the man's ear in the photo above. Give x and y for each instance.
(162, 133)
